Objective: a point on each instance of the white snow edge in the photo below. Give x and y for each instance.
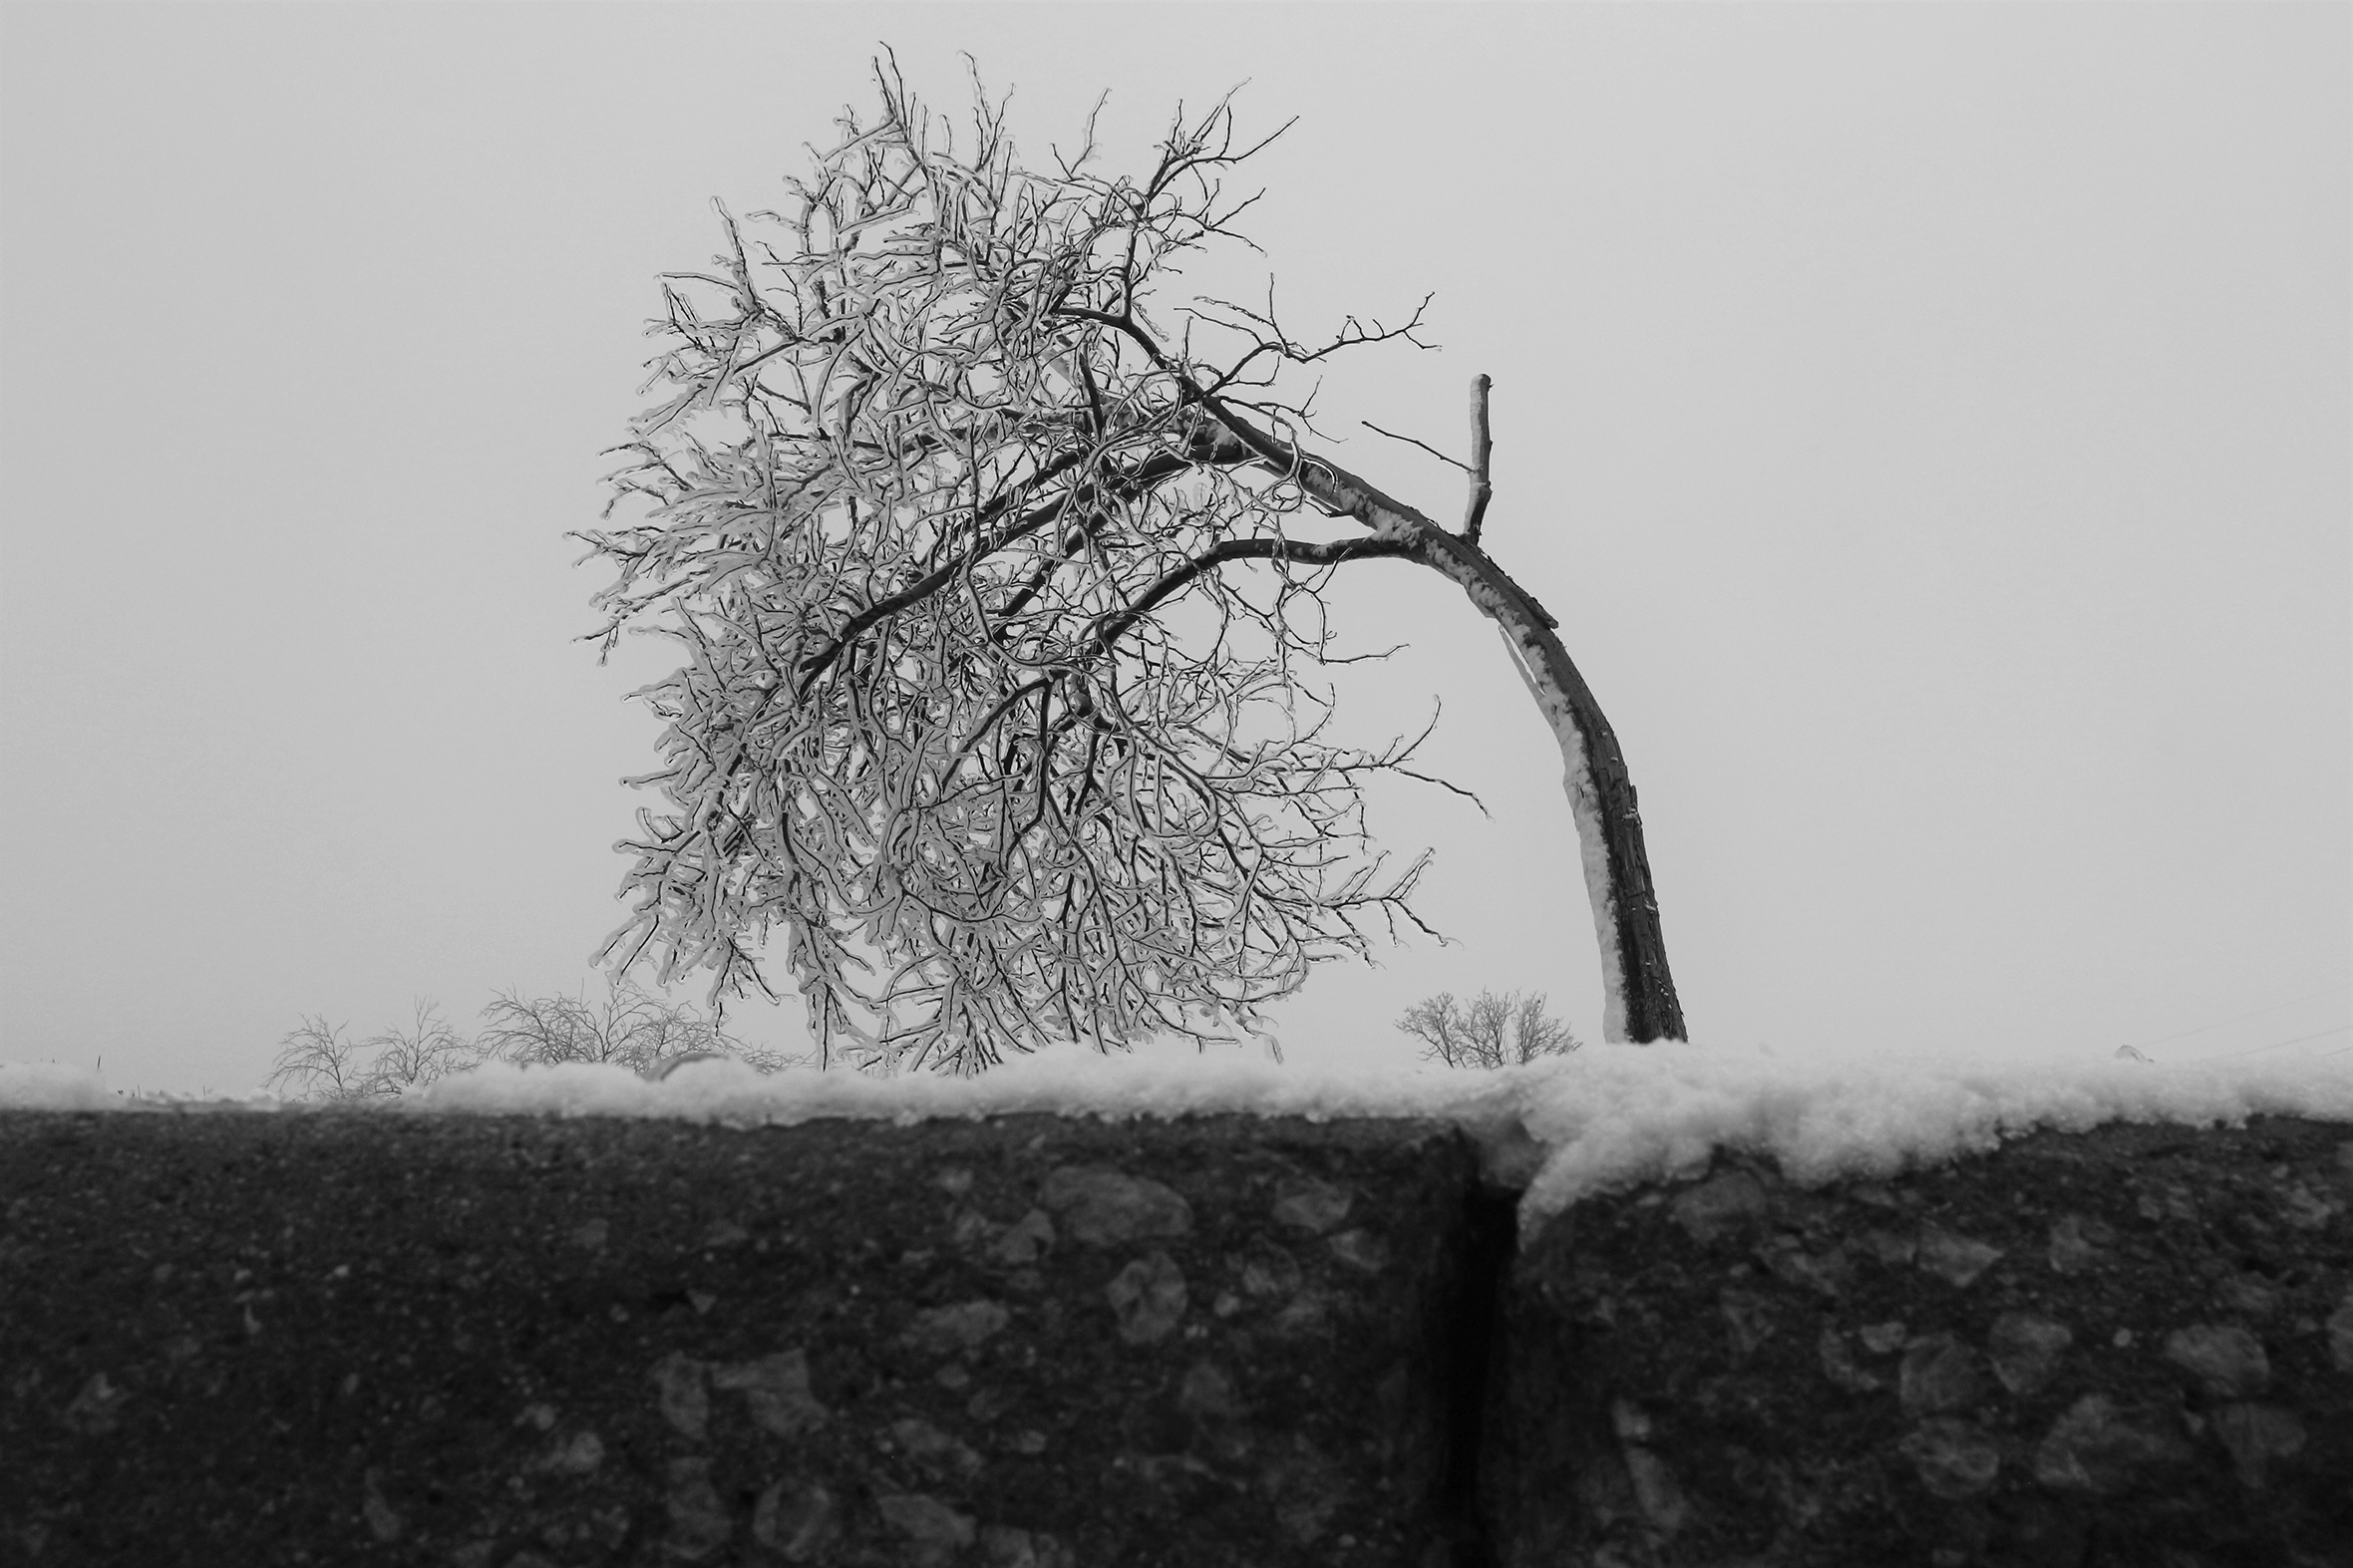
(1605, 1117)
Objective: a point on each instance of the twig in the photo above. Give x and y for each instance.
(1425, 445)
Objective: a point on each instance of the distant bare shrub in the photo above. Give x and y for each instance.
(633, 1028)
(630, 1028)
(325, 1062)
(1492, 1032)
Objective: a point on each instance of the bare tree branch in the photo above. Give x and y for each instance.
(1411, 441)
(1483, 447)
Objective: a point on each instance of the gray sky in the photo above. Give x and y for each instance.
(1929, 424)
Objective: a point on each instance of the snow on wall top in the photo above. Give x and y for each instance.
(1603, 1118)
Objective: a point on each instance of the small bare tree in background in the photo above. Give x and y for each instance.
(319, 1062)
(629, 1028)
(638, 1030)
(996, 575)
(1492, 1032)
(324, 1063)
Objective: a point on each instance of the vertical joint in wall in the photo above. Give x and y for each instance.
(1468, 1329)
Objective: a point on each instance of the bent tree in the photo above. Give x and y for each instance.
(1001, 582)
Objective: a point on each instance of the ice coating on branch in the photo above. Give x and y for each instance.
(1605, 1116)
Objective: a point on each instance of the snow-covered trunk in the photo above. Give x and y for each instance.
(1640, 991)
(1641, 1004)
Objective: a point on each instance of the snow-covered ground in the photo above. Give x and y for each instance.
(1604, 1116)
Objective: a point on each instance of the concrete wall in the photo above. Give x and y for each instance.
(527, 1343)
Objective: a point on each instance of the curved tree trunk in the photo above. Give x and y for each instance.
(1641, 1004)
(1639, 988)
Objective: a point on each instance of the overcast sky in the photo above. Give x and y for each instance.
(1929, 424)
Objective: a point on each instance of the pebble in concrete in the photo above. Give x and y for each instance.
(776, 1387)
(1207, 1392)
(1655, 1493)
(934, 1452)
(580, 1454)
(2098, 1447)
(93, 1410)
(1024, 1241)
(1938, 1375)
(1306, 1204)
(1005, 1547)
(1838, 1363)
(1953, 1458)
(2026, 1349)
(2255, 1434)
(1268, 1269)
(1148, 1299)
(934, 1531)
(2076, 1243)
(797, 1520)
(944, 1330)
(1955, 1259)
(685, 1402)
(1718, 1205)
(2229, 1363)
(699, 1520)
(1882, 1338)
(1360, 1249)
(1103, 1206)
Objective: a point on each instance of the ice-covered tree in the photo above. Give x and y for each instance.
(1000, 578)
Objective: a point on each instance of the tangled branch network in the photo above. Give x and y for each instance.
(995, 703)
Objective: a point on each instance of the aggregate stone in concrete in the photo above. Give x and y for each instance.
(2124, 1347)
(515, 1342)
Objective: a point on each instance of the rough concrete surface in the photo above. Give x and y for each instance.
(1036, 1341)
(2129, 1347)
(516, 1343)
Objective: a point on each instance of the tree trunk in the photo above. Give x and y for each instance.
(1641, 1005)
